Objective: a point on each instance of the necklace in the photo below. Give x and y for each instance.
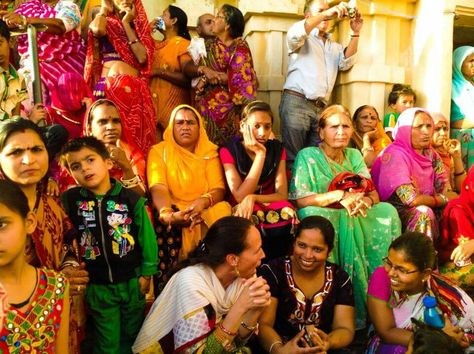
(23, 303)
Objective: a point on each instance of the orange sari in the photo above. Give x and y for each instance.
(166, 95)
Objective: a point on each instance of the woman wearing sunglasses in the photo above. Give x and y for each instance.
(396, 293)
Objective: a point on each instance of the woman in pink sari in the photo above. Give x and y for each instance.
(410, 174)
(60, 47)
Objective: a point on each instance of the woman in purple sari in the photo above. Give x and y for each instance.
(410, 175)
(60, 46)
(228, 79)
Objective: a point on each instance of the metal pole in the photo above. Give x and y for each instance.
(35, 70)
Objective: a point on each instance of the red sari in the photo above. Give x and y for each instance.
(130, 93)
(458, 219)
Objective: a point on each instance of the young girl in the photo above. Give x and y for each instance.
(255, 170)
(37, 318)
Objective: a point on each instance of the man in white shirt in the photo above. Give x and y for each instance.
(312, 69)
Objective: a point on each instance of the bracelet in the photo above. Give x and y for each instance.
(355, 35)
(24, 22)
(436, 204)
(249, 328)
(370, 148)
(371, 199)
(226, 331)
(136, 40)
(460, 173)
(273, 344)
(132, 182)
(444, 198)
(200, 70)
(69, 263)
(208, 196)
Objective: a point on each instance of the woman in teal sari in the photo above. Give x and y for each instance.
(462, 102)
(333, 181)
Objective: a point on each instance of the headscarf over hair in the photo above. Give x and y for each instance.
(118, 38)
(380, 143)
(445, 156)
(69, 91)
(463, 90)
(401, 164)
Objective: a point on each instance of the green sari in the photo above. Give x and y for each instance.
(360, 242)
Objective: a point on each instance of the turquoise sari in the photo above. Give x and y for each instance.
(360, 243)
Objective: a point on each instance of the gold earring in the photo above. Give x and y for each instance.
(236, 271)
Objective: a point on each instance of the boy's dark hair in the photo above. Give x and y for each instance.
(13, 198)
(4, 31)
(399, 90)
(77, 144)
(430, 340)
(235, 20)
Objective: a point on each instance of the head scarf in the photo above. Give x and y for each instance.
(463, 90)
(400, 164)
(445, 156)
(69, 92)
(182, 164)
(379, 144)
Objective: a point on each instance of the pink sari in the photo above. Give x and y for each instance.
(57, 53)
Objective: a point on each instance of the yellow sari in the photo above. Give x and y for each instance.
(187, 176)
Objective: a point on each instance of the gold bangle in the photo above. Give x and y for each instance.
(460, 173)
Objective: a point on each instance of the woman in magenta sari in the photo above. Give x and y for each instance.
(410, 174)
(228, 79)
(60, 46)
(119, 56)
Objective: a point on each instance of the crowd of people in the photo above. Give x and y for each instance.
(147, 170)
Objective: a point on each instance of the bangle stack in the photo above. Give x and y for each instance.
(365, 149)
(459, 173)
(162, 215)
(225, 337)
(132, 182)
(209, 197)
(371, 200)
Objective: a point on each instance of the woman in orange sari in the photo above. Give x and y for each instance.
(369, 136)
(168, 85)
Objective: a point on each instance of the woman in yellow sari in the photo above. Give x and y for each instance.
(186, 183)
(369, 136)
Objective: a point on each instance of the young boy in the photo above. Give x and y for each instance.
(400, 98)
(117, 243)
(12, 85)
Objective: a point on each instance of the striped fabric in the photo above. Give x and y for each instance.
(57, 53)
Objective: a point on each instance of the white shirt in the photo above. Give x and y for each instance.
(314, 63)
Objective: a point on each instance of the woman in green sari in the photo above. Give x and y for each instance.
(333, 181)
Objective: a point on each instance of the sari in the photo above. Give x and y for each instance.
(458, 227)
(184, 316)
(66, 106)
(166, 95)
(275, 220)
(221, 105)
(57, 53)
(400, 173)
(360, 243)
(130, 93)
(380, 143)
(462, 105)
(187, 176)
(44, 248)
(451, 300)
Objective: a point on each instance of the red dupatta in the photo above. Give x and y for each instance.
(118, 39)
